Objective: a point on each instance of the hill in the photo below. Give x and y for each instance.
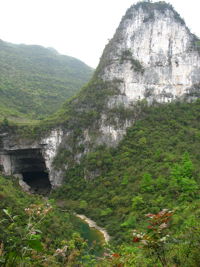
(35, 81)
(135, 67)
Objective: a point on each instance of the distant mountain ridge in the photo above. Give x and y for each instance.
(35, 81)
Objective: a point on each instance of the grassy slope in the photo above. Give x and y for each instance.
(35, 81)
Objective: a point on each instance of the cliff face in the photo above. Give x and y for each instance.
(19, 156)
(153, 54)
(152, 57)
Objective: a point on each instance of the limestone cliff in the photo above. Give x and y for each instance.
(20, 155)
(154, 36)
(153, 55)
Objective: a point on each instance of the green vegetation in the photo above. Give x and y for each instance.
(36, 232)
(135, 64)
(156, 166)
(35, 81)
(196, 43)
(77, 114)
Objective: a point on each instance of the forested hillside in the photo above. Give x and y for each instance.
(154, 171)
(35, 81)
(156, 166)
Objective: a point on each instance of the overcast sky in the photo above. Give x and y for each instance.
(78, 28)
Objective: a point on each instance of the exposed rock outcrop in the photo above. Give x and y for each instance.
(20, 155)
(154, 56)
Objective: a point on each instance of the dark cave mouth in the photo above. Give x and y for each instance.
(29, 164)
(38, 181)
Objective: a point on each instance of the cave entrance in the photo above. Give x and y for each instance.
(29, 164)
(38, 181)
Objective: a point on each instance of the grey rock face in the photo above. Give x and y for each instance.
(19, 155)
(163, 45)
(153, 54)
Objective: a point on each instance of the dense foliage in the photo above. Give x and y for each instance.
(156, 166)
(35, 232)
(35, 81)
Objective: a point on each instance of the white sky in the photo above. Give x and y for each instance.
(78, 28)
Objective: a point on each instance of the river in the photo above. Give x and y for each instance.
(93, 226)
(95, 236)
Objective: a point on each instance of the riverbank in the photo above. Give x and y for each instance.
(93, 224)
